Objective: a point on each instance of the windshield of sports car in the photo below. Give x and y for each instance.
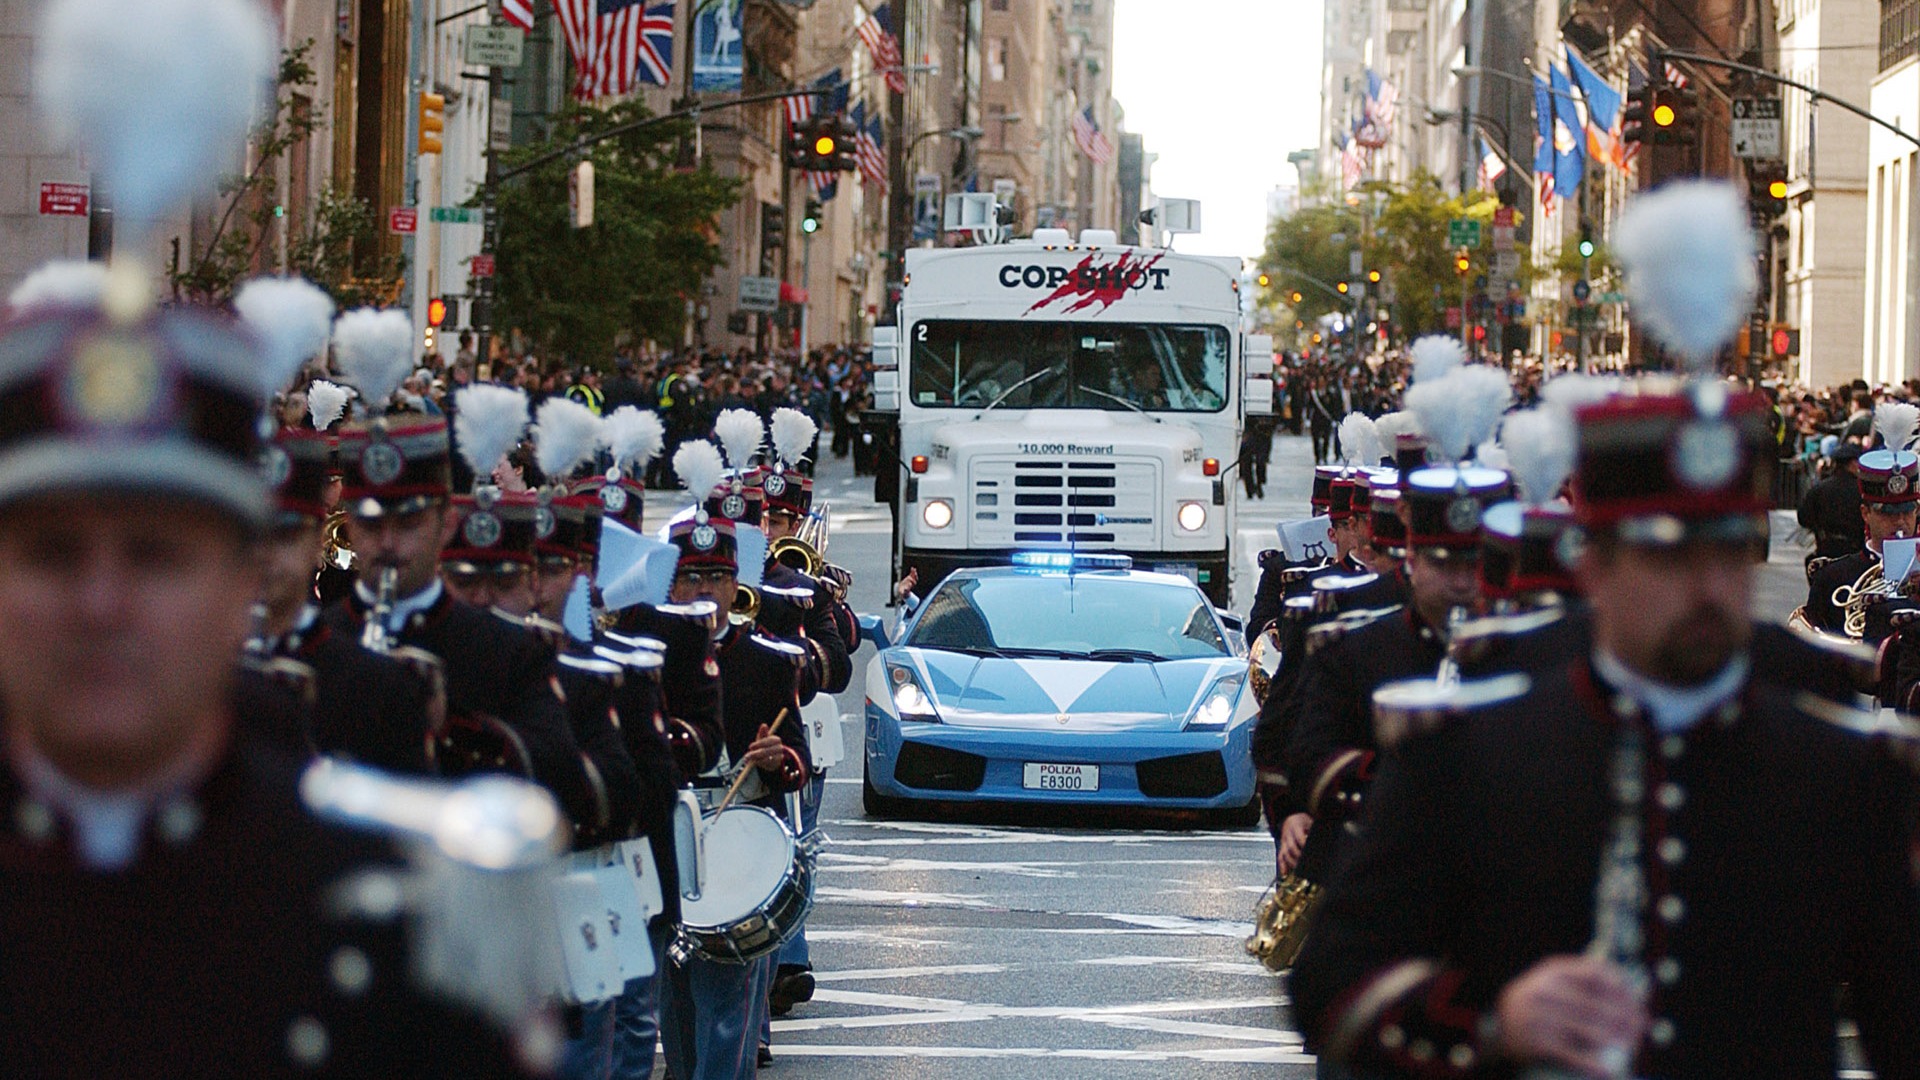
(1060, 365)
(1083, 615)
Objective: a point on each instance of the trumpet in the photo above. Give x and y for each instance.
(373, 634)
(798, 554)
(746, 605)
(336, 551)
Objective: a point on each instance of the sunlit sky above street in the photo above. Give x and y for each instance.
(1222, 90)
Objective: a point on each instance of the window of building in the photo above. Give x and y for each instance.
(1899, 31)
(996, 59)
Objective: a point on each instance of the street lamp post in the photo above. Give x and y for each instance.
(899, 209)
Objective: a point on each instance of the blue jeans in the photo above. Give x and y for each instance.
(618, 1036)
(711, 1015)
(794, 952)
(589, 1057)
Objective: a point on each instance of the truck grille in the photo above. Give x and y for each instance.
(1113, 503)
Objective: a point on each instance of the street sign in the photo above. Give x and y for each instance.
(1463, 232)
(482, 266)
(454, 215)
(1503, 217)
(1507, 263)
(498, 46)
(1503, 238)
(500, 124)
(1613, 298)
(402, 219)
(64, 200)
(759, 294)
(1756, 128)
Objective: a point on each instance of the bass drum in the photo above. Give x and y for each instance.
(758, 890)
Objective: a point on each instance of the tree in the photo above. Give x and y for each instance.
(322, 252)
(651, 245)
(250, 203)
(1307, 253)
(1413, 230)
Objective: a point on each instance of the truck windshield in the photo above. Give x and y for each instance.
(1160, 367)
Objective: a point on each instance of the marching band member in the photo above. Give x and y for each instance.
(710, 1013)
(366, 707)
(399, 517)
(1889, 495)
(1607, 806)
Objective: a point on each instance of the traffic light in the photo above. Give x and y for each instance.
(433, 121)
(773, 225)
(1296, 296)
(1586, 243)
(1767, 190)
(1660, 113)
(811, 222)
(844, 157)
(1263, 280)
(1785, 342)
(1342, 286)
(436, 312)
(1462, 264)
(1373, 277)
(799, 149)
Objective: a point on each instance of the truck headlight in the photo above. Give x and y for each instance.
(938, 513)
(1192, 516)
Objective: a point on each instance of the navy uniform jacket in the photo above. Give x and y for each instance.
(1332, 750)
(690, 678)
(1777, 852)
(216, 954)
(496, 669)
(818, 629)
(1782, 657)
(1841, 572)
(366, 707)
(762, 676)
(590, 698)
(1831, 511)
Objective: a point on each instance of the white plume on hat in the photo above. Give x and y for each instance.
(487, 422)
(326, 402)
(565, 433)
(1688, 253)
(1459, 410)
(1540, 452)
(374, 350)
(292, 317)
(1490, 455)
(1434, 356)
(793, 435)
(1896, 421)
(1390, 427)
(741, 432)
(1573, 390)
(698, 465)
(160, 94)
(66, 282)
(1359, 439)
(634, 436)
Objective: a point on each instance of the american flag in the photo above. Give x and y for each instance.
(616, 43)
(1675, 75)
(1353, 163)
(1491, 167)
(867, 145)
(1382, 96)
(1089, 138)
(875, 30)
(517, 13)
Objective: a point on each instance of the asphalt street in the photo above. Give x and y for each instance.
(1060, 946)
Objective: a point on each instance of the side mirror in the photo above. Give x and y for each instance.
(874, 629)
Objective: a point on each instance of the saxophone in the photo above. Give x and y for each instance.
(1620, 895)
(373, 634)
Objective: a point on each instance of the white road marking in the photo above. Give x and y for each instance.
(905, 899)
(1230, 1055)
(858, 864)
(872, 937)
(882, 974)
(1151, 1016)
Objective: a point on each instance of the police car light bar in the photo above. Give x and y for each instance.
(1071, 560)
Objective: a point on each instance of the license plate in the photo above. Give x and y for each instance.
(1043, 777)
(1185, 570)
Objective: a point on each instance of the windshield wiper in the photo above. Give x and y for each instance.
(1125, 654)
(1050, 654)
(1008, 392)
(1115, 397)
(966, 650)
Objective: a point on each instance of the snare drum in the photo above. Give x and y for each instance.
(759, 888)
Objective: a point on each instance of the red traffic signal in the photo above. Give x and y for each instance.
(436, 312)
(1785, 341)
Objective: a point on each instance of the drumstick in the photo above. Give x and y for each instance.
(741, 776)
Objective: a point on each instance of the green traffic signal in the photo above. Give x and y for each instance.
(1586, 249)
